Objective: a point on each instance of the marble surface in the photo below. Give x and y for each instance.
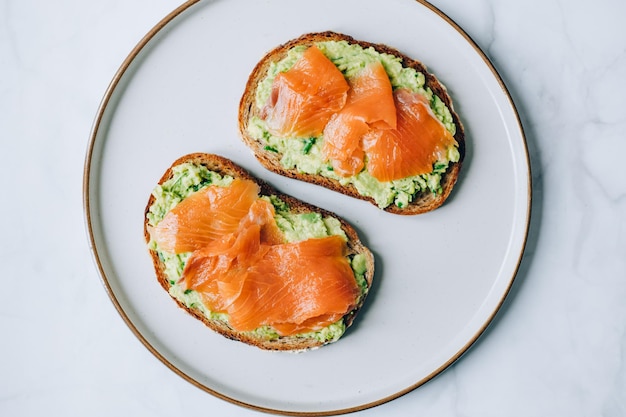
(556, 348)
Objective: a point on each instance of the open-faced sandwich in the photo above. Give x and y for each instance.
(359, 118)
(253, 264)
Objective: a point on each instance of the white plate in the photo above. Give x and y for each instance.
(440, 277)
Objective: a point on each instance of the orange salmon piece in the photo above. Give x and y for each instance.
(297, 287)
(412, 148)
(370, 103)
(219, 269)
(305, 97)
(204, 216)
(371, 97)
(294, 287)
(343, 145)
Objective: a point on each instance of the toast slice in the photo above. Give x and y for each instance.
(409, 196)
(197, 171)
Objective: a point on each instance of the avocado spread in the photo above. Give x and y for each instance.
(188, 178)
(305, 154)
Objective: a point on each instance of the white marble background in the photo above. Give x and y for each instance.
(558, 346)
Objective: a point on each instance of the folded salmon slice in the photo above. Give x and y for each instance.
(369, 104)
(371, 97)
(297, 287)
(294, 287)
(204, 216)
(241, 265)
(343, 143)
(305, 97)
(219, 269)
(417, 142)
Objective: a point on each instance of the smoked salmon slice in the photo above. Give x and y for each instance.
(371, 97)
(241, 264)
(293, 287)
(370, 103)
(304, 98)
(217, 270)
(204, 216)
(343, 143)
(304, 286)
(412, 148)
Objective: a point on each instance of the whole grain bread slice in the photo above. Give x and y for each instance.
(424, 201)
(225, 166)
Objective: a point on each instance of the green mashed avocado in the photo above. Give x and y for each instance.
(305, 154)
(188, 178)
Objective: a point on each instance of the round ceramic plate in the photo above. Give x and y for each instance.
(440, 277)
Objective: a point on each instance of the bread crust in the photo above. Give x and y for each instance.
(225, 166)
(424, 201)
